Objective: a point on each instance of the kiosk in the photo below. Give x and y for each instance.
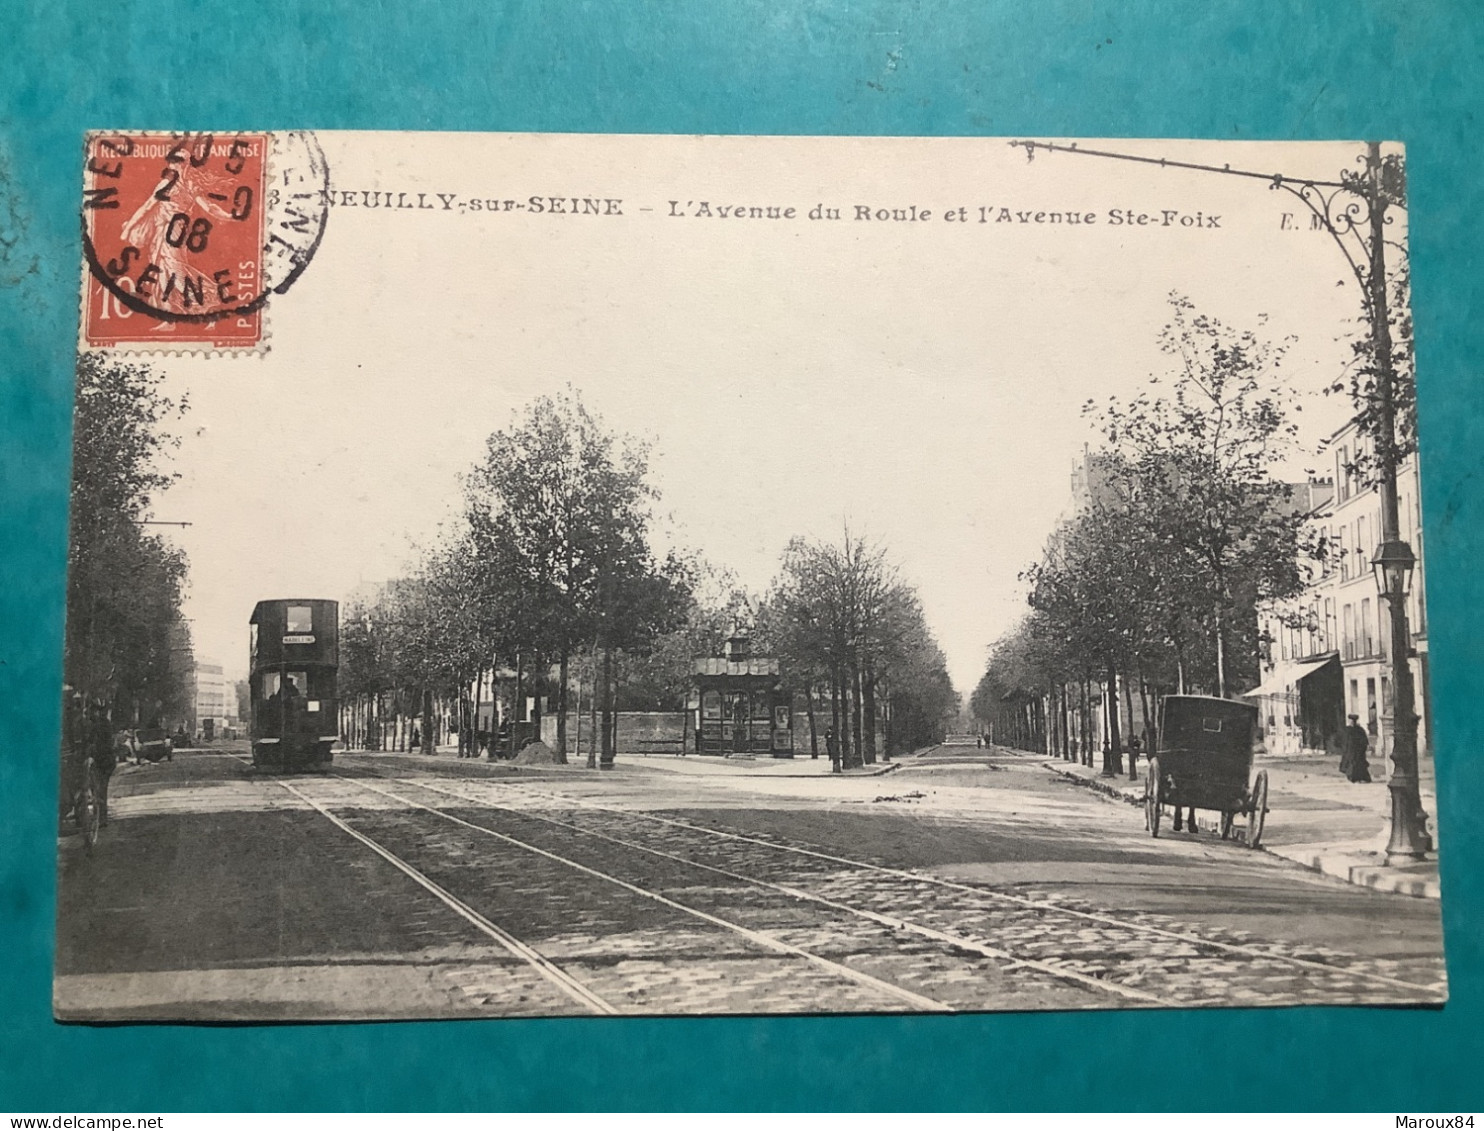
(743, 707)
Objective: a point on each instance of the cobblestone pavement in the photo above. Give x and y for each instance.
(962, 884)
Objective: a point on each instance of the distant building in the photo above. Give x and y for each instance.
(1326, 653)
(214, 701)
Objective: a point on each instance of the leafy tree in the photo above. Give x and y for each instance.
(558, 515)
(1199, 463)
(559, 509)
(126, 641)
(840, 618)
(1184, 529)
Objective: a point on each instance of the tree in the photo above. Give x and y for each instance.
(126, 641)
(558, 516)
(1184, 529)
(713, 603)
(840, 618)
(557, 503)
(1199, 467)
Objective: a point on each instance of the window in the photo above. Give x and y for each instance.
(1344, 554)
(1354, 698)
(1348, 640)
(1331, 630)
(1362, 543)
(299, 620)
(1368, 625)
(1370, 709)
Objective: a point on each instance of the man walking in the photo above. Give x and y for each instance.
(832, 746)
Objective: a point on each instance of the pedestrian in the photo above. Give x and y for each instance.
(832, 746)
(1353, 763)
(99, 747)
(1133, 757)
(74, 752)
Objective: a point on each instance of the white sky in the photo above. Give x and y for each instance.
(922, 380)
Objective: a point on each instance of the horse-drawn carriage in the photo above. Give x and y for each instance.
(1204, 761)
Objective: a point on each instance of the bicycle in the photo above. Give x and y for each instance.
(87, 805)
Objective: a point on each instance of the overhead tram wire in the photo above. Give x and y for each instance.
(1276, 180)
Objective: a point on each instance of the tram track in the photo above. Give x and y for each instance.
(1251, 952)
(959, 942)
(549, 970)
(692, 848)
(569, 984)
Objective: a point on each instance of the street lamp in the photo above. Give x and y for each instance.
(1410, 840)
(1393, 566)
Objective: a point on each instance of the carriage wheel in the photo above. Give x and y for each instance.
(88, 814)
(1257, 813)
(1153, 801)
(1226, 824)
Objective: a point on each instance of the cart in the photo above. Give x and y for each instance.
(1204, 761)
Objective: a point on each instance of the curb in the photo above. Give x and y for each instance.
(864, 772)
(1099, 785)
(1377, 877)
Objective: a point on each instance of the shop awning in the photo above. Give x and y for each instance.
(1288, 674)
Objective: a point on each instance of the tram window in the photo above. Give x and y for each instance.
(300, 680)
(711, 705)
(270, 684)
(299, 619)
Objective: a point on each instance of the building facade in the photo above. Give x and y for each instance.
(1327, 653)
(214, 701)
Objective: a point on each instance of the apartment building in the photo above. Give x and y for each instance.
(1327, 652)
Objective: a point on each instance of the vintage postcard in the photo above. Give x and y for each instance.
(533, 575)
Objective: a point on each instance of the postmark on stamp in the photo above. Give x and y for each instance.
(186, 236)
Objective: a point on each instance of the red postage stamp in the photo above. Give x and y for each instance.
(186, 235)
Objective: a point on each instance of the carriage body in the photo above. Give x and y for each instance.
(1204, 761)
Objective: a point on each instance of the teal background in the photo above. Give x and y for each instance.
(1406, 69)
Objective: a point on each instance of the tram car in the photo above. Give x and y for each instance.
(294, 657)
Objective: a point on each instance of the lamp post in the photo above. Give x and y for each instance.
(1394, 560)
(1410, 840)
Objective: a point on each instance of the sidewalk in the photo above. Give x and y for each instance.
(761, 765)
(801, 765)
(1315, 818)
